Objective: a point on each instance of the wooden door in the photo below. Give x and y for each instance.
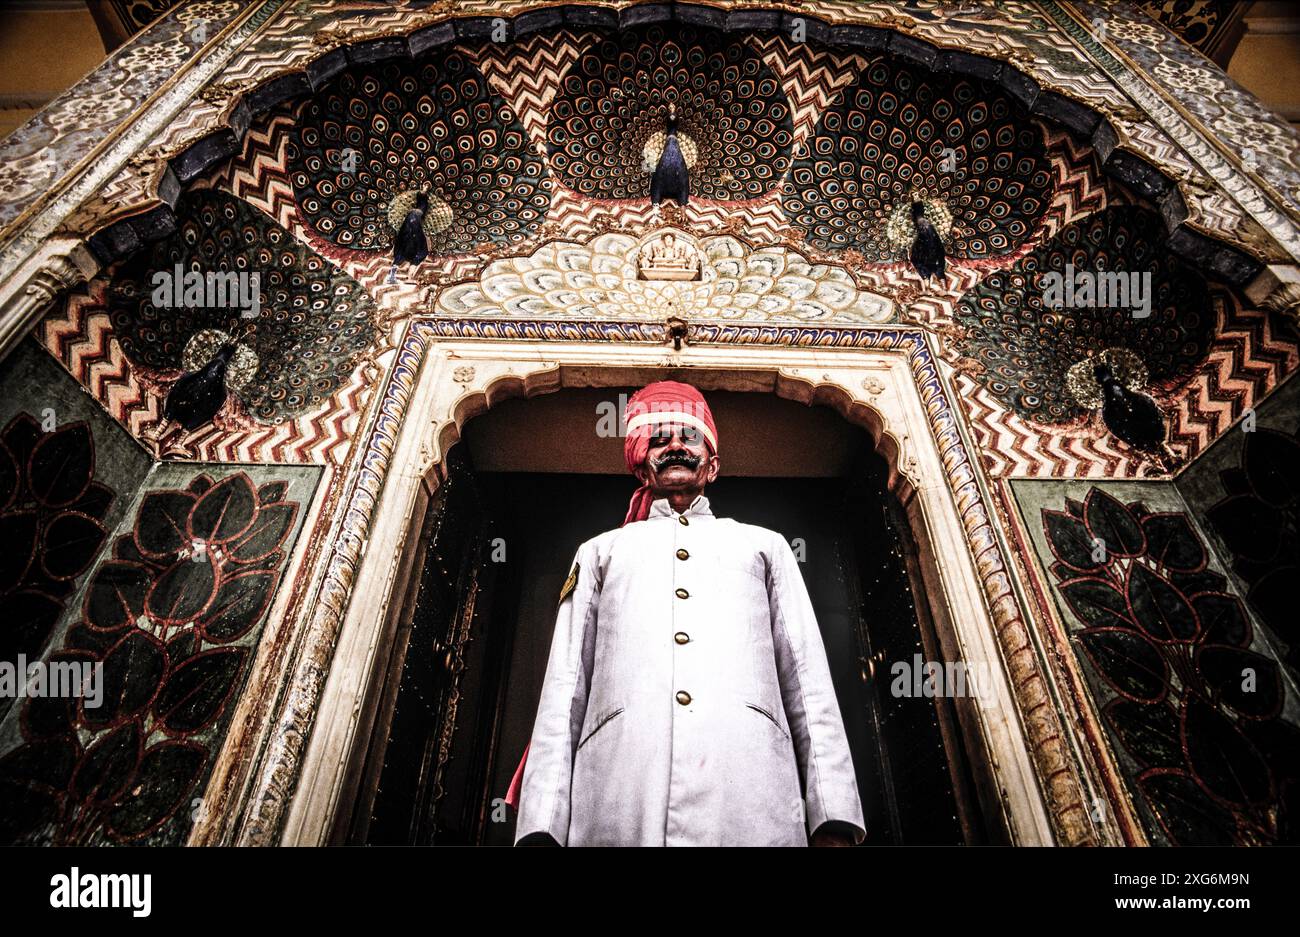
(499, 547)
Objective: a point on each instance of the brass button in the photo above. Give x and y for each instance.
(681, 637)
(681, 519)
(683, 594)
(683, 697)
(683, 555)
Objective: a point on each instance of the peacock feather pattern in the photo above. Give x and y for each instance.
(374, 136)
(313, 325)
(734, 125)
(960, 146)
(1027, 348)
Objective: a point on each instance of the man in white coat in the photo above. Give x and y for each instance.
(687, 698)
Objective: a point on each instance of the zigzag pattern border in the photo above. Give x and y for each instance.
(259, 175)
(528, 73)
(1247, 360)
(811, 79)
(82, 340)
(80, 337)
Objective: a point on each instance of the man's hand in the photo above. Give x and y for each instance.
(834, 833)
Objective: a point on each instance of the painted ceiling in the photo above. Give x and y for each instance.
(804, 159)
(899, 130)
(303, 345)
(373, 134)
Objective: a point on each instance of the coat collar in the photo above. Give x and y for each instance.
(661, 508)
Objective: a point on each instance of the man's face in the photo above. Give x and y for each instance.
(678, 460)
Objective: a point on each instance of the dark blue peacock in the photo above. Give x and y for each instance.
(901, 135)
(431, 130)
(671, 178)
(314, 323)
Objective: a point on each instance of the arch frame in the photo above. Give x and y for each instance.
(340, 571)
(1022, 739)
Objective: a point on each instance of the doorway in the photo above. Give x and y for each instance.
(473, 646)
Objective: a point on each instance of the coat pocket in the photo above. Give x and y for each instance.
(771, 718)
(600, 724)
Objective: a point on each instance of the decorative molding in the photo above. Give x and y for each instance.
(28, 292)
(414, 430)
(1267, 215)
(606, 278)
(1277, 289)
(69, 186)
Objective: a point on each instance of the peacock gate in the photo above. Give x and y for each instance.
(320, 321)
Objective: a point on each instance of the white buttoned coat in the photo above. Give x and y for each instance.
(687, 698)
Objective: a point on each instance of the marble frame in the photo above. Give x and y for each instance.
(887, 384)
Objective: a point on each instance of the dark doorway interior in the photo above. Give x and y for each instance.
(498, 549)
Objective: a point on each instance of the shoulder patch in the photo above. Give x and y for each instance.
(569, 584)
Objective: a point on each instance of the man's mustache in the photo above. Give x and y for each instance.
(677, 457)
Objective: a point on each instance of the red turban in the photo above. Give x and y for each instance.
(653, 405)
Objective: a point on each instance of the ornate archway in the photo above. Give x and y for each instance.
(789, 272)
(888, 386)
